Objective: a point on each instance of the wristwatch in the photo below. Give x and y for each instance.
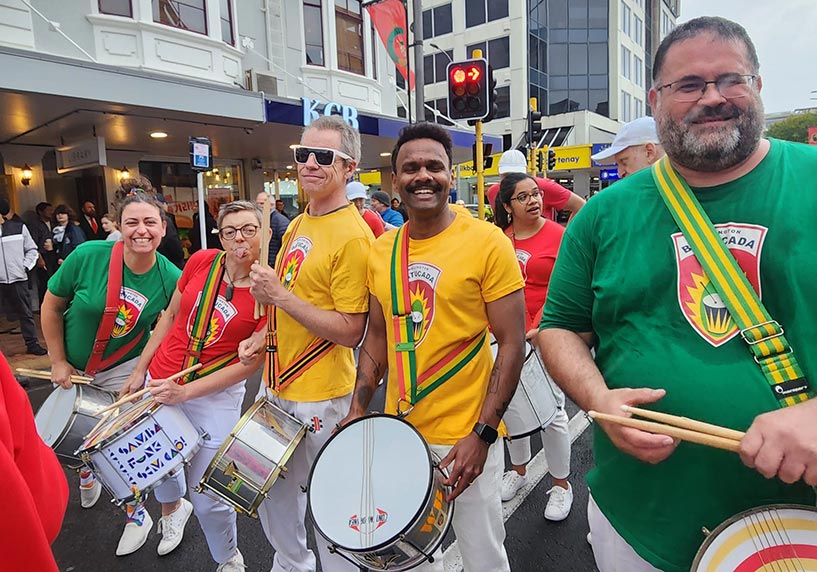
(486, 433)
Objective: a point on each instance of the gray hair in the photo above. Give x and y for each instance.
(349, 137)
(721, 28)
(237, 207)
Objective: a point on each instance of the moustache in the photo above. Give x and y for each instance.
(433, 186)
(722, 112)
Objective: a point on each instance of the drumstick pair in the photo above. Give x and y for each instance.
(263, 256)
(42, 374)
(677, 427)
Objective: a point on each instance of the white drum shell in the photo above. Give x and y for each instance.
(143, 453)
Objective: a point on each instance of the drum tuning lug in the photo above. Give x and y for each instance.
(304, 489)
(706, 531)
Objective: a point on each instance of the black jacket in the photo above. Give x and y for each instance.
(100, 233)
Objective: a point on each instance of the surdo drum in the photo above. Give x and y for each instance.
(376, 494)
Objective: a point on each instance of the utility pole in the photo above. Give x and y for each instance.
(419, 68)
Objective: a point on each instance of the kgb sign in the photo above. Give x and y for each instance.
(314, 108)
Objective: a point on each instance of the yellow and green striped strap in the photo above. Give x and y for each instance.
(762, 333)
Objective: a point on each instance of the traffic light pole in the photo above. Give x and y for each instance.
(480, 168)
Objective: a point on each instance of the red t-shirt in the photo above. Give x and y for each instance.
(35, 492)
(554, 196)
(374, 221)
(231, 323)
(536, 256)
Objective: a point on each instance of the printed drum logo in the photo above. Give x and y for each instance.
(367, 524)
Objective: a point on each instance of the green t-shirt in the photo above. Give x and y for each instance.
(625, 272)
(83, 280)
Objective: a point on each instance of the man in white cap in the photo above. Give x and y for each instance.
(356, 193)
(635, 147)
(554, 196)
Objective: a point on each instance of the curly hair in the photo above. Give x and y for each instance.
(503, 198)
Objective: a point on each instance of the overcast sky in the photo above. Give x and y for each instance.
(785, 35)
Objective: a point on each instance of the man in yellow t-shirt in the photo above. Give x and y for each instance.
(320, 295)
(462, 278)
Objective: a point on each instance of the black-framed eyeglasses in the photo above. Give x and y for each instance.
(524, 197)
(247, 231)
(323, 157)
(730, 86)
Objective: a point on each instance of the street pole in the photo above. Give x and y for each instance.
(532, 145)
(202, 217)
(419, 68)
(480, 168)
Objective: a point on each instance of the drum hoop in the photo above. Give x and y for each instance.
(148, 411)
(734, 518)
(71, 416)
(411, 521)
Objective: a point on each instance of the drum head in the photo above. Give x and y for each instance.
(781, 537)
(54, 414)
(369, 483)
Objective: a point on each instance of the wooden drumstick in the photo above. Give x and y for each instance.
(99, 424)
(263, 256)
(43, 374)
(685, 423)
(141, 392)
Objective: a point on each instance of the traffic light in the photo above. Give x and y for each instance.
(540, 161)
(487, 160)
(551, 159)
(468, 89)
(534, 128)
(493, 106)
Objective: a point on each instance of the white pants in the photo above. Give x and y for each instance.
(113, 379)
(282, 514)
(215, 414)
(611, 551)
(555, 443)
(477, 520)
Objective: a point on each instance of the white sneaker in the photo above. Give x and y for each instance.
(511, 483)
(90, 494)
(559, 504)
(234, 564)
(136, 532)
(172, 527)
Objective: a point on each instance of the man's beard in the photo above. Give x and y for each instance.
(719, 148)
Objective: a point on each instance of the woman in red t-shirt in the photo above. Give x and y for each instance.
(213, 401)
(536, 240)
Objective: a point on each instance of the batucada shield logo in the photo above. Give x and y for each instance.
(294, 260)
(131, 304)
(700, 303)
(223, 313)
(423, 280)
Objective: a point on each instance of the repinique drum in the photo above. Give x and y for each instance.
(67, 415)
(251, 460)
(534, 405)
(774, 537)
(136, 451)
(376, 494)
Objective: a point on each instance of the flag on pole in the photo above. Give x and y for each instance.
(389, 19)
(812, 135)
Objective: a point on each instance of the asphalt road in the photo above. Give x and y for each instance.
(89, 537)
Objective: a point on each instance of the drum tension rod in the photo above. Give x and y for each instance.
(429, 557)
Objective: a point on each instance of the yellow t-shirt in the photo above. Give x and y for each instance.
(326, 266)
(455, 274)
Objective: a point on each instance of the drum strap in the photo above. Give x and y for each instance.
(201, 325)
(276, 378)
(113, 295)
(764, 335)
(407, 322)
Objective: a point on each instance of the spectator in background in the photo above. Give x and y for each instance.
(90, 225)
(356, 193)
(278, 224)
(39, 226)
(18, 254)
(635, 147)
(35, 492)
(170, 246)
(65, 236)
(381, 205)
(279, 206)
(107, 222)
(395, 204)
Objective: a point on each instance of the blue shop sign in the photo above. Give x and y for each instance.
(314, 108)
(598, 148)
(608, 175)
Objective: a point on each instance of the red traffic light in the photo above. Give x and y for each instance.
(458, 76)
(468, 96)
(474, 73)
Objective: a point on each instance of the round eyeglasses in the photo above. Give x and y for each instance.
(689, 89)
(247, 231)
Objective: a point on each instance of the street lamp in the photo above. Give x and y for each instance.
(439, 49)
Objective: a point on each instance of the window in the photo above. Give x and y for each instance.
(480, 11)
(638, 68)
(626, 100)
(625, 18)
(496, 51)
(399, 79)
(625, 63)
(435, 66)
(349, 31)
(666, 24)
(183, 14)
(116, 8)
(638, 27)
(313, 33)
(226, 18)
(437, 21)
(639, 108)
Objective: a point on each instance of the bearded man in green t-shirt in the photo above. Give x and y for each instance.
(628, 283)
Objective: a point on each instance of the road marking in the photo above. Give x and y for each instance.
(537, 469)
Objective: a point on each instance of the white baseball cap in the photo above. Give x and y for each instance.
(513, 161)
(356, 190)
(637, 132)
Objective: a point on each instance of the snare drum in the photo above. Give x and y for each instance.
(775, 537)
(534, 404)
(249, 462)
(376, 494)
(67, 415)
(136, 451)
